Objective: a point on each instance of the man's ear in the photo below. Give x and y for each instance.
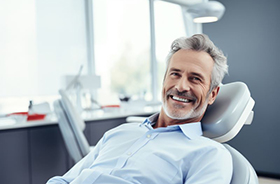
(213, 95)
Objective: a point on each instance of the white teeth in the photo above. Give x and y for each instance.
(180, 99)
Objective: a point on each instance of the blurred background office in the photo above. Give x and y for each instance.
(44, 41)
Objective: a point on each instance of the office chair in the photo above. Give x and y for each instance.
(222, 122)
(71, 126)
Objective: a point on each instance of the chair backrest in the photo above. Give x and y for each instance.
(224, 119)
(71, 126)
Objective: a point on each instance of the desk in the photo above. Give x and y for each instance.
(88, 116)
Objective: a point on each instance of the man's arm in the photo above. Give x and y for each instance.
(213, 167)
(78, 168)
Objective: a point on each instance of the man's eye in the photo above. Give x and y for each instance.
(174, 74)
(196, 79)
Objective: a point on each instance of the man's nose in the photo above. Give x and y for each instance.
(183, 85)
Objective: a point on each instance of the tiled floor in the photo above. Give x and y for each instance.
(263, 180)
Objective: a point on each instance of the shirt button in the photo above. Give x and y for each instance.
(148, 136)
(129, 153)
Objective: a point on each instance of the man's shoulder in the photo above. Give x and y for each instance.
(123, 128)
(211, 144)
(126, 126)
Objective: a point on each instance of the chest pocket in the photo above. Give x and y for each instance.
(154, 169)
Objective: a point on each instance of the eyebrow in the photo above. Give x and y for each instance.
(175, 69)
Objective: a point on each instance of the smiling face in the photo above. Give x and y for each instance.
(185, 92)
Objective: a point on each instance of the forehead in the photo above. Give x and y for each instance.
(192, 61)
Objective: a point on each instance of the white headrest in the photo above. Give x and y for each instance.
(231, 110)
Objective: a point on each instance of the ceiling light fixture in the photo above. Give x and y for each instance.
(207, 11)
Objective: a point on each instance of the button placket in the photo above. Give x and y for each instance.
(135, 147)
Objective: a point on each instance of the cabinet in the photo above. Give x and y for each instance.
(48, 154)
(15, 157)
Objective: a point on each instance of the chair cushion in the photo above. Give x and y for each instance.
(224, 114)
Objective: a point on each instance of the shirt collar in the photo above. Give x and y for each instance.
(191, 130)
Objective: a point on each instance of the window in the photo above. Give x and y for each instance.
(41, 41)
(122, 49)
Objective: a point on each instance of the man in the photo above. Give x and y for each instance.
(168, 147)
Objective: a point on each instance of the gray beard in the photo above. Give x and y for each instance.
(181, 116)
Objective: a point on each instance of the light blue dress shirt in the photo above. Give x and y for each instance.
(136, 153)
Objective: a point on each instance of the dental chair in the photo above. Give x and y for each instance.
(222, 122)
(71, 126)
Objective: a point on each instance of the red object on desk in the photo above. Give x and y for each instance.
(110, 106)
(30, 117)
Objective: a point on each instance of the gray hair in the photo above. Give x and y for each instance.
(201, 42)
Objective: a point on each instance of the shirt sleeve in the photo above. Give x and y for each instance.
(212, 167)
(75, 171)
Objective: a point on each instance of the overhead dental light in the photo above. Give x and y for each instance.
(207, 11)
